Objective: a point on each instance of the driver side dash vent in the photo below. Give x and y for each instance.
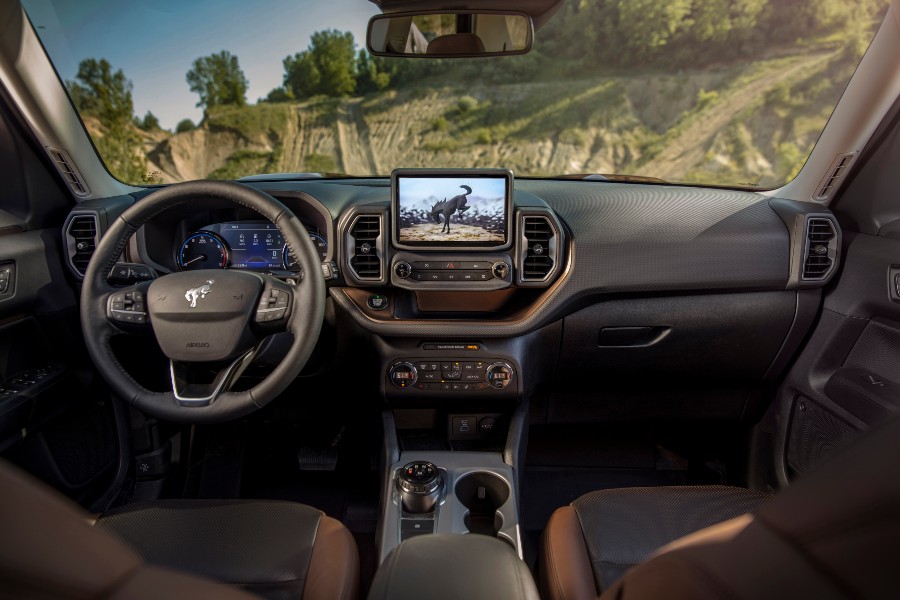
(365, 252)
(82, 233)
(821, 249)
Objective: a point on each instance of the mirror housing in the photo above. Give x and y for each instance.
(450, 34)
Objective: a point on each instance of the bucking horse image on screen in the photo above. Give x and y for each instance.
(448, 207)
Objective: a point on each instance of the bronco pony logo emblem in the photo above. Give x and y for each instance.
(198, 292)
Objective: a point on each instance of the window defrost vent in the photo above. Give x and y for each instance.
(69, 172)
(835, 176)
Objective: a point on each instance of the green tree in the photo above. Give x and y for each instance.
(185, 125)
(648, 25)
(218, 80)
(327, 66)
(105, 95)
(148, 123)
(100, 92)
(279, 94)
(371, 74)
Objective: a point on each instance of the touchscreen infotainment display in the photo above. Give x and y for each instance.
(459, 209)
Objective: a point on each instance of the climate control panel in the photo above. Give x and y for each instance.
(451, 271)
(451, 375)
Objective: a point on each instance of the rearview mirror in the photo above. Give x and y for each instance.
(450, 34)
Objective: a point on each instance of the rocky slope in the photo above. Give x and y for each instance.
(749, 124)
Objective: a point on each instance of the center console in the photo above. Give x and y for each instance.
(450, 256)
(450, 493)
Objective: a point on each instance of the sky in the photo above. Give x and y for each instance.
(414, 189)
(155, 42)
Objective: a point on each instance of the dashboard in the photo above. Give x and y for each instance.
(530, 281)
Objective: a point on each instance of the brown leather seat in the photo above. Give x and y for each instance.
(834, 534)
(172, 549)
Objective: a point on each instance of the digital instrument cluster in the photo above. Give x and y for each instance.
(257, 245)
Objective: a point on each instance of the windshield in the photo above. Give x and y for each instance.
(724, 92)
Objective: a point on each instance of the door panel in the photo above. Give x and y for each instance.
(56, 417)
(847, 378)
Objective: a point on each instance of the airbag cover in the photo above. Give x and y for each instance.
(204, 316)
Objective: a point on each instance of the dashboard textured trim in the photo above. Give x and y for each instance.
(646, 238)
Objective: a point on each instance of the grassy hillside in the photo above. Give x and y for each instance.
(752, 124)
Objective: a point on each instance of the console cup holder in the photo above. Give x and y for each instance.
(483, 493)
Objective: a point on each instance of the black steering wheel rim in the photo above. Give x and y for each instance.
(304, 322)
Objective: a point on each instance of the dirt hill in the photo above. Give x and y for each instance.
(721, 126)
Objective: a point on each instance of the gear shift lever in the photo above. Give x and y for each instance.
(420, 485)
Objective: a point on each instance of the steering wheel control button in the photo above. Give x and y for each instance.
(128, 307)
(403, 375)
(329, 270)
(272, 306)
(130, 273)
(499, 375)
(377, 302)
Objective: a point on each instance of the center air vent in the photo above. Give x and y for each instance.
(821, 249)
(540, 248)
(81, 237)
(365, 255)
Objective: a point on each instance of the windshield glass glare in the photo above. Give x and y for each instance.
(719, 92)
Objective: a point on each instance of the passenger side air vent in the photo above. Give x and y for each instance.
(538, 248)
(835, 176)
(81, 238)
(69, 172)
(821, 249)
(538, 263)
(366, 255)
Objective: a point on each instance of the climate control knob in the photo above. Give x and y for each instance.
(403, 375)
(499, 375)
(402, 269)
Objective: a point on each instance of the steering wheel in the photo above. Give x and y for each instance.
(209, 323)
